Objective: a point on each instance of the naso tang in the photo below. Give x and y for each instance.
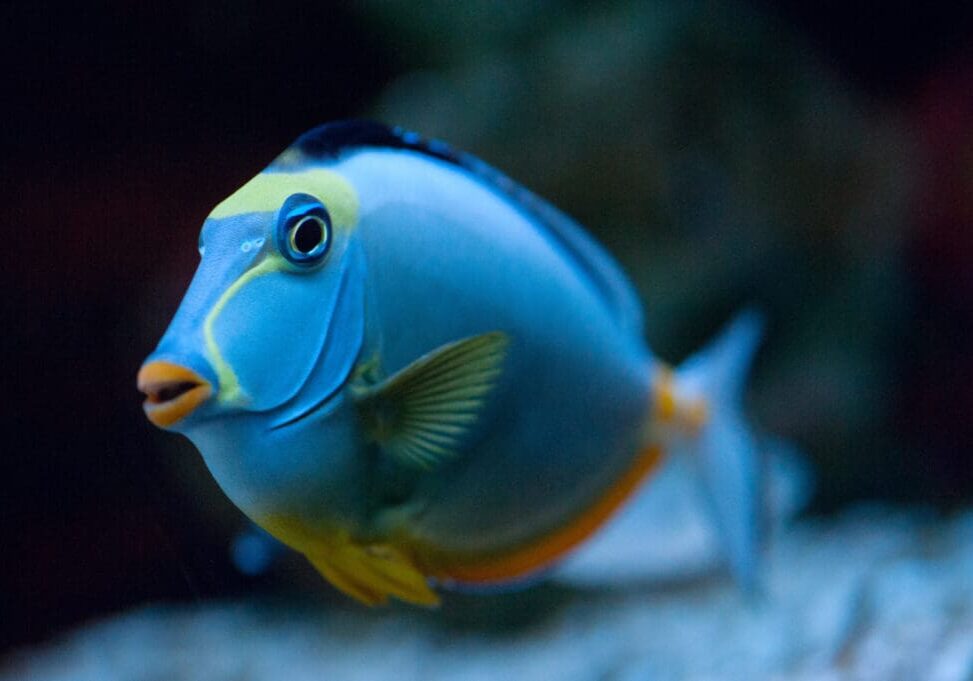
(417, 373)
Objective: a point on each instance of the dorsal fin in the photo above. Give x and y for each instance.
(330, 140)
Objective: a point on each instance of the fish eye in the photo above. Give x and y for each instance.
(304, 230)
(308, 234)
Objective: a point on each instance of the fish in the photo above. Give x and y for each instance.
(422, 376)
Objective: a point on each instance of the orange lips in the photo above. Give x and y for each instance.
(171, 392)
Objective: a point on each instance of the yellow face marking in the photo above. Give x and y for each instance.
(267, 192)
(264, 193)
(229, 386)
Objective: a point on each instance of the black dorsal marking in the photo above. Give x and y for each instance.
(328, 141)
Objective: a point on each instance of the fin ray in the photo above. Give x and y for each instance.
(420, 414)
(372, 574)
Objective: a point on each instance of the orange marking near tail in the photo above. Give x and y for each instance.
(671, 410)
(542, 553)
(665, 406)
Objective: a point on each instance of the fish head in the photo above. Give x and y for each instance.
(272, 322)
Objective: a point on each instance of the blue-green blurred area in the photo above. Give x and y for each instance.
(816, 162)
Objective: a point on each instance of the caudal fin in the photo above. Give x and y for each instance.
(723, 447)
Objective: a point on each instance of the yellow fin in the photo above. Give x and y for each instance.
(369, 573)
(373, 573)
(420, 415)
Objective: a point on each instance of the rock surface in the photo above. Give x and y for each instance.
(873, 594)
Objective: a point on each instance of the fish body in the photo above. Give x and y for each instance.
(409, 368)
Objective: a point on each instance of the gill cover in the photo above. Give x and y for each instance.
(290, 328)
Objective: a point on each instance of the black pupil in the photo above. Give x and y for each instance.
(308, 235)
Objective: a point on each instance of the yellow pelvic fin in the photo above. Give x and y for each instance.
(373, 573)
(369, 573)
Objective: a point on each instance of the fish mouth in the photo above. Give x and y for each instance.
(172, 392)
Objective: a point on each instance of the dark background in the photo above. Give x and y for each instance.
(816, 161)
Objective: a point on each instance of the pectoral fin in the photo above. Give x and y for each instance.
(420, 414)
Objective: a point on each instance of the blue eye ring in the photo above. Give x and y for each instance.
(303, 230)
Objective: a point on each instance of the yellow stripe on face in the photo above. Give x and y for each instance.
(267, 191)
(229, 386)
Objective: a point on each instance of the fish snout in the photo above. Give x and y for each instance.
(172, 391)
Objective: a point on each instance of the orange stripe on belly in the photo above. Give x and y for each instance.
(546, 550)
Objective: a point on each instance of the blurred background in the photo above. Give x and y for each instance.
(814, 159)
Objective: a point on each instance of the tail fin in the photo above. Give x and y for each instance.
(723, 448)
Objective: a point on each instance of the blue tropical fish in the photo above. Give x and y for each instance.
(415, 372)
